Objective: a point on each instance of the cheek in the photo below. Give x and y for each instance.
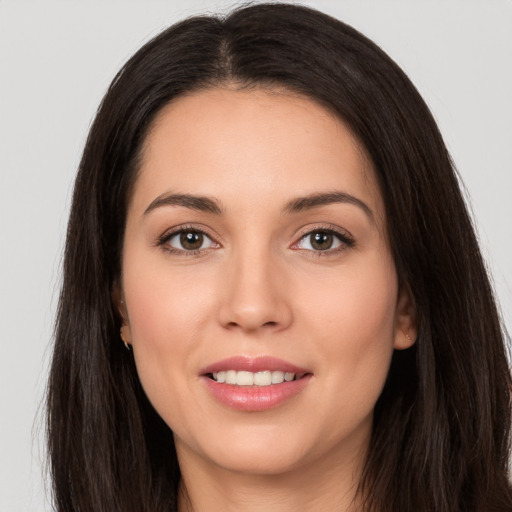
(165, 304)
(167, 317)
(359, 302)
(355, 319)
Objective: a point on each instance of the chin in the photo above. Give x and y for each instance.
(258, 451)
(271, 461)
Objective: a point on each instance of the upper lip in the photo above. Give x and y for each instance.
(253, 364)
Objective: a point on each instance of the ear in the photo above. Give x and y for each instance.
(120, 307)
(406, 328)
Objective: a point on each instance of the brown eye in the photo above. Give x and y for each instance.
(321, 240)
(188, 240)
(191, 240)
(324, 240)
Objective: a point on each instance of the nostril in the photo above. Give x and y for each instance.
(251, 316)
(268, 324)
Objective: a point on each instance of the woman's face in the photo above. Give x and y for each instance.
(256, 252)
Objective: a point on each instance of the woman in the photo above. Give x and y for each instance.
(267, 217)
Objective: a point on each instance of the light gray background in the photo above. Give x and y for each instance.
(56, 60)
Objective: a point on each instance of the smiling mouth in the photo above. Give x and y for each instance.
(254, 384)
(261, 379)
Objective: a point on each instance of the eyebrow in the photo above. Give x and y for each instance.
(199, 203)
(325, 198)
(212, 205)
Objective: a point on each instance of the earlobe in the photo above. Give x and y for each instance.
(117, 297)
(125, 336)
(404, 340)
(406, 330)
(120, 307)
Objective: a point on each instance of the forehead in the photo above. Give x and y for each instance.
(250, 144)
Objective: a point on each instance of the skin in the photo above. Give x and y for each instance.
(258, 287)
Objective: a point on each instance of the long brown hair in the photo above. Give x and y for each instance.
(441, 426)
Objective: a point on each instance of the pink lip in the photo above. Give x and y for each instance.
(254, 398)
(253, 364)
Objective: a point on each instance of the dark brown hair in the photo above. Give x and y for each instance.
(441, 426)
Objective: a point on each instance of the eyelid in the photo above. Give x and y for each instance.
(170, 233)
(341, 234)
(346, 239)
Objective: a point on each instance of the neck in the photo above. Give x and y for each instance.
(329, 483)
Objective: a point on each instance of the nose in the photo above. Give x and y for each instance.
(255, 294)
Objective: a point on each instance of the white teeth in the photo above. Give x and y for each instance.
(231, 377)
(277, 377)
(263, 378)
(243, 378)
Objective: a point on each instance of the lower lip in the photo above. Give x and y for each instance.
(255, 398)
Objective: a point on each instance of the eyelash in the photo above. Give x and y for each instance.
(343, 237)
(166, 237)
(346, 240)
